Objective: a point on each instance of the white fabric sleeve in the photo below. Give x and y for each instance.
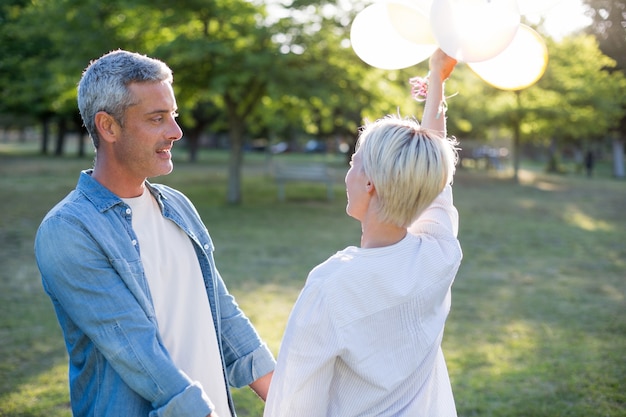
(440, 219)
(300, 385)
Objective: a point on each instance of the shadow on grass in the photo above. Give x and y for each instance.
(538, 321)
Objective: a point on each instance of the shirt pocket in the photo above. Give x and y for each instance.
(132, 273)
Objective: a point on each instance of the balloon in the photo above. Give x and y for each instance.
(423, 6)
(474, 30)
(519, 66)
(375, 40)
(411, 23)
(536, 6)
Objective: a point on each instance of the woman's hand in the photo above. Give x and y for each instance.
(441, 65)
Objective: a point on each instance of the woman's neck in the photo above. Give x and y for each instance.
(378, 235)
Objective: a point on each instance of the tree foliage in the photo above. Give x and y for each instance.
(609, 27)
(583, 97)
(242, 72)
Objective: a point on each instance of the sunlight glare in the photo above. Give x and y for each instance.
(474, 30)
(519, 66)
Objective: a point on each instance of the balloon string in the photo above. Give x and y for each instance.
(419, 88)
(419, 91)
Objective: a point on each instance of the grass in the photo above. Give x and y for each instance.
(538, 321)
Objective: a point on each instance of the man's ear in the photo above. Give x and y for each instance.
(107, 126)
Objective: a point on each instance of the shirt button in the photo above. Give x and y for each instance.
(134, 242)
(206, 246)
(128, 211)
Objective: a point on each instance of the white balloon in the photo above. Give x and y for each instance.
(519, 66)
(411, 22)
(379, 44)
(474, 30)
(536, 6)
(422, 5)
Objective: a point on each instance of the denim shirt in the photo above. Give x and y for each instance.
(89, 259)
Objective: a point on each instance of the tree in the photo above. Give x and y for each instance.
(220, 51)
(223, 58)
(46, 46)
(574, 101)
(324, 78)
(609, 27)
(590, 99)
(25, 81)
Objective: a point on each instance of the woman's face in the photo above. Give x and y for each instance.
(357, 188)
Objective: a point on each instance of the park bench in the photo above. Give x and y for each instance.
(305, 172)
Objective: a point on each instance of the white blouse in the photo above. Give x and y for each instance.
(364, 337)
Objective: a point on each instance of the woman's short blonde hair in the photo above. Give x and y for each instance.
(409, 166)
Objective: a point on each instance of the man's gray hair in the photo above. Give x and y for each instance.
(104, 85)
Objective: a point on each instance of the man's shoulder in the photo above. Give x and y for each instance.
(74, 203)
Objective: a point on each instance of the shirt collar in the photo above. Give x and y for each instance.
(101, 197)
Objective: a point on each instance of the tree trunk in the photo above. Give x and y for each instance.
(233, 195)
(618, 157)
(517, 137)
(45, 135)
(193, 141)
(62, 130)
(83, 135)
(553, 158)
(516, 151)
(236, 131)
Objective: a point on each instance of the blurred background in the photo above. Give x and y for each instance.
(281, 76)
(538, 322)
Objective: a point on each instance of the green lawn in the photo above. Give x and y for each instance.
(538, 321)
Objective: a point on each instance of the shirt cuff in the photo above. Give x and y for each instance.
(251, 367)
(191, 402)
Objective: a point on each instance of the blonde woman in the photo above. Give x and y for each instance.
(364, 337)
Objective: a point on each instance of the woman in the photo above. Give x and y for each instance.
(364, 337)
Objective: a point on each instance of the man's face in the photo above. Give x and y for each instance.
(149, 131)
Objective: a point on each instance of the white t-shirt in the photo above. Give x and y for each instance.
(180, 299)
(364, 337)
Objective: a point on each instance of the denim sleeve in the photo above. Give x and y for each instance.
(99, 305)
(246, 357)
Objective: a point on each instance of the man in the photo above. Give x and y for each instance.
(148, 323)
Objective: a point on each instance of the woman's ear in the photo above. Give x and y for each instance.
(369, 187)
(107, 126)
